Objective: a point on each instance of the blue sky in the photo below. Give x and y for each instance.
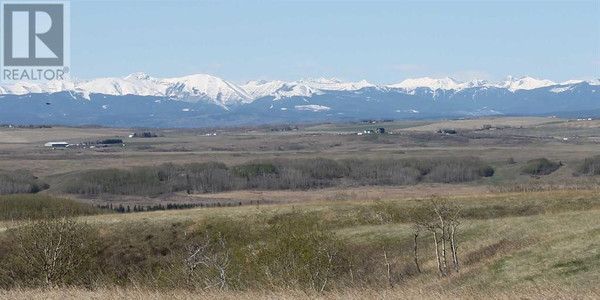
(383, 42)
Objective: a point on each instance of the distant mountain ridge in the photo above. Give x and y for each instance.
(201, 100)
(197, 87)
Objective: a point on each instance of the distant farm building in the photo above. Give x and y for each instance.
(447, 131)
(145, 134)
(57, 144)
(380, 130)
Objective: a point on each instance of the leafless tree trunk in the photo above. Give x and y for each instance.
(416, 250)
(453, 226)
(443, 244)
(389, 268)
(453, 247)
(439, 209)
(437, 252)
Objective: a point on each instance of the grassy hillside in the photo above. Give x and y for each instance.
(23, 207)
(537, 244)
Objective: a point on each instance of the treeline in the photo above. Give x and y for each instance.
(20, 182)
(111, 141)
(294, 174)
(144, 134)
(156, 207)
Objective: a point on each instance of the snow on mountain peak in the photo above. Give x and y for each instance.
(262, 88)
(577, 81)
(524, 83)
(193, 88)
(593, 82)
(445, 83)
(305, 87)
(203, 87)
(277, 89)
(333, 84)
(137, 76)
(320, 80)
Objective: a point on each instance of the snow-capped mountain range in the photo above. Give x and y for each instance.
(194, 88)
(142, 100)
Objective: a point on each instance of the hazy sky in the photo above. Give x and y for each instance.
(383, 42)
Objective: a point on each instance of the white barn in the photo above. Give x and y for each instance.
(57, 144)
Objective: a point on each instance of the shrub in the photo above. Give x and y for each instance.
(540, 166)
(51, 252)
(487, 171)
(300, 252)
(287, 250)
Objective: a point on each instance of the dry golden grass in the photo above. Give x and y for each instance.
(348, 194)
(315, 203)
(20, 135)
(478, 123)
(532, 293)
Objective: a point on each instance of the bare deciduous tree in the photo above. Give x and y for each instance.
(441, 220)
(53, 251)
(196, 257)
(441, 210)
(215, 257)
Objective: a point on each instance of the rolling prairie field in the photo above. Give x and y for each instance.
(300, 150)
(304, 211)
